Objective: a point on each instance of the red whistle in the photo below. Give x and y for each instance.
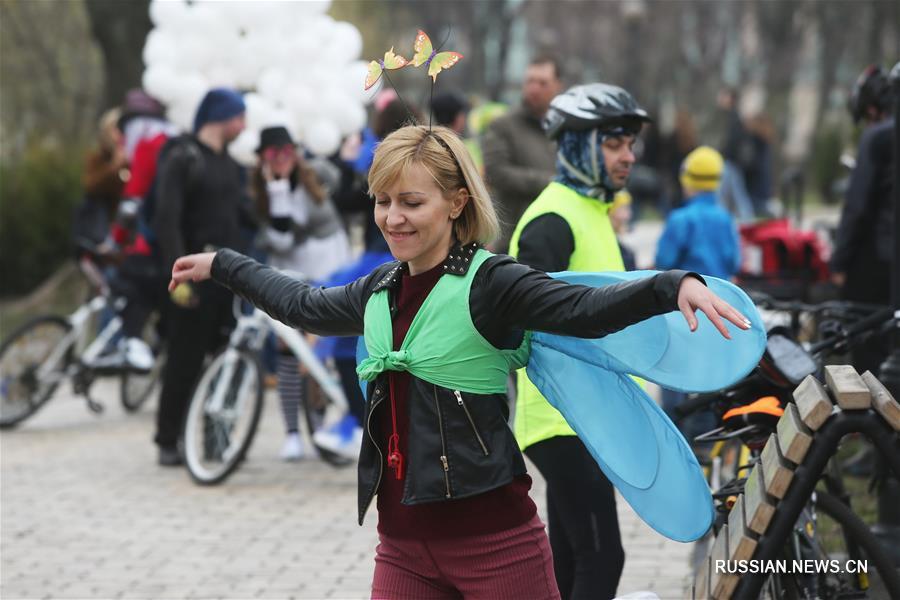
(395, 459)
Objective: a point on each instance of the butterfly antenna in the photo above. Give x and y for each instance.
(431, 93)
(431, 106)
(446, 37)
(412, 117)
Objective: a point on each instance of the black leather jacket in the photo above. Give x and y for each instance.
(459, 443)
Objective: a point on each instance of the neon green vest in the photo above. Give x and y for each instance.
(442, 345)
(596, 249)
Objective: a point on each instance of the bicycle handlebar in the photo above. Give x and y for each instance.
(879, 316)
(836, 307)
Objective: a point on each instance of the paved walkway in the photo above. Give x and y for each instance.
(86, 513)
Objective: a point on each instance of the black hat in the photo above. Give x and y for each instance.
(447, 105)
(274, 136)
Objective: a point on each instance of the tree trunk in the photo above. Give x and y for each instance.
(120, 29)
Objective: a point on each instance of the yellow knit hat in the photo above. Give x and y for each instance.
(622, 198)
(702, 169)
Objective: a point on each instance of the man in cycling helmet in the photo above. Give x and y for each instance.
(862, 253)
(567, 228)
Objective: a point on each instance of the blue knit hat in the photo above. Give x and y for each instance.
(219, 104)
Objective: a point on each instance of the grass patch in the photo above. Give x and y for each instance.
(62, 299)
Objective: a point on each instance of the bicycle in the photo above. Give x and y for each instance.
(750, 411)
(226, 405)
(37, 356)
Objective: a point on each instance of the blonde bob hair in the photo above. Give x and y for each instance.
(440, 152)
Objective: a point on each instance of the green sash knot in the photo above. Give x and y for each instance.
(395, 360)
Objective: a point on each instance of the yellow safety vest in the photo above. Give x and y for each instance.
(596, 249)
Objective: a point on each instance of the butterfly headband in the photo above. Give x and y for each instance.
(424, 54)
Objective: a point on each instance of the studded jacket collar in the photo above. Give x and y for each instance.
(457, 263)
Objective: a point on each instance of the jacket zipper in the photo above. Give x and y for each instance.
(444, 463)
(459, 401)
(376, 402)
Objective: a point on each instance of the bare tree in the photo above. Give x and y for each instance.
(50, 75)
(120, 29)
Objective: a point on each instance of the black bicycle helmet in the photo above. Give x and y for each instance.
(872, 88)
(595, 105)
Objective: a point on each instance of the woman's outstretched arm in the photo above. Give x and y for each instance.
(324, 311)
(524, 298)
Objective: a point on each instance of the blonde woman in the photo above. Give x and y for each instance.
(443, 327)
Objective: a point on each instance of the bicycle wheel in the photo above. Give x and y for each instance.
(848, 537)
(32, 363)
(223, 415)
(319, 413)
(134, 387)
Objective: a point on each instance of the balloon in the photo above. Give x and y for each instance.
(182, 114)
(167, 13)
(353, 119)
(313, 7)
(352, 82)
(258, 110)
(191, 89)
(322, 138)
(207, 19)
(161, 47)
(243, 148)
(222, 75)
(195, 53)
(245, 64)
(301, 67)
(279, 117)
(329, 102)
(272, 83)
(300, 100)
(346, 43)
(161, 82)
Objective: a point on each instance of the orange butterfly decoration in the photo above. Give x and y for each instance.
(377, 67)
(435, 61)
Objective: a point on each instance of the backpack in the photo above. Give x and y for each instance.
(187, 146)
(781, 260)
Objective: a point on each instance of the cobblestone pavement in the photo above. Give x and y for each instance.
(85, 512)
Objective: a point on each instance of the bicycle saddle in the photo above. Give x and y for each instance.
(764, 412)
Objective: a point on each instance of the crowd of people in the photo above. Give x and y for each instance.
(544, 182)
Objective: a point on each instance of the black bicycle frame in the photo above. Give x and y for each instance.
(824, 445)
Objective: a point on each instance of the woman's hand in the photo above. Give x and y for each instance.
(693, 295)
(193, 267)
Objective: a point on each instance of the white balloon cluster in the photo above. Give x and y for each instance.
(299, 67)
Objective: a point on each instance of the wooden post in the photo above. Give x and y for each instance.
(794, 437)
(741, 541)
(701, 581)
(812, 402)
(848, 388)
(721, 584)
(883, 401)
(776, 470)
(758, 509)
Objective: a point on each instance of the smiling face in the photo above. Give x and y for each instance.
(416, 218)
(618, 155)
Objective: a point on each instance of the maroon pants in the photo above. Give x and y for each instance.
(514, 564)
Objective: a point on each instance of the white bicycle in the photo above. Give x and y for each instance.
(37, 356)
(226, 405)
